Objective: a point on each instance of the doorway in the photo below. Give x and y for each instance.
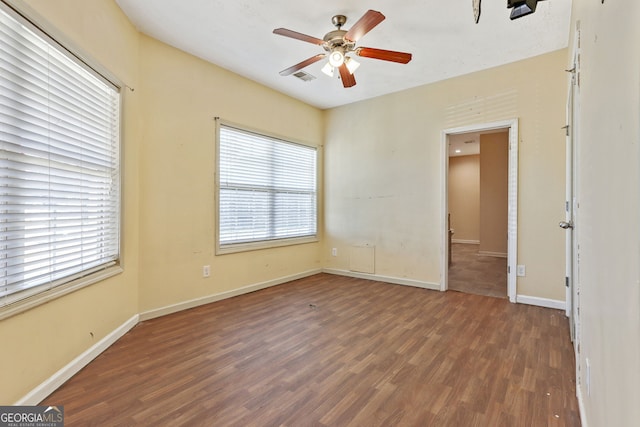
(509, 228)
(477, 214)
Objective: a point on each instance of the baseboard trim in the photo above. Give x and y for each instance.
(387, 279)
(38, 394)
(185, 305)
(466, 242)
(493, 254)
(583, 414)
(541, 302)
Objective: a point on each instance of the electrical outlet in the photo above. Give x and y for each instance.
(334, 252)
(521, 271)
(206, 271)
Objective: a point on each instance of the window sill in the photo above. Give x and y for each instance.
(268, 244)
(27, 303)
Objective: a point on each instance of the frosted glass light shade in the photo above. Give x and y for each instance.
(328, 69)
(336, 58)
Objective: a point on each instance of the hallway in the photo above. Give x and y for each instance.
(473, 274)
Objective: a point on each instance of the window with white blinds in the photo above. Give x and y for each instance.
(59, 164)
(267, 189)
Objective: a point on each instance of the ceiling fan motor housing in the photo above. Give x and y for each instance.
(335, 40)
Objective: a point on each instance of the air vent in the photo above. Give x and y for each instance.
(304, 76)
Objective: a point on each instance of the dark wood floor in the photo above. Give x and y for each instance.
(334, 351)
(474, 274)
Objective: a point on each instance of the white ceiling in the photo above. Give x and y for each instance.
(464, 144)
(467, 144)
(442, 36)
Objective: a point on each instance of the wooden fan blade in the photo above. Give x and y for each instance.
(385, 55)
(301, 65)
(348, 80)
(298, 36)
(365, 24)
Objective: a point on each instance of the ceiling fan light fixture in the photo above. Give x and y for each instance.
(339, 43)
(328, 69)
(352, 64)
(336, 58)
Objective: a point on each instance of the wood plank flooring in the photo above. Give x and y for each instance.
(480, 275)
(334, 351)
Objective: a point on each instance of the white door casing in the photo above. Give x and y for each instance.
(572, 248)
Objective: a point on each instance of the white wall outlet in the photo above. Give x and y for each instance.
(334, 252)
(206, 271)
(521, 271)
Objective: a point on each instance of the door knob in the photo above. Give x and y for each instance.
(566, 225)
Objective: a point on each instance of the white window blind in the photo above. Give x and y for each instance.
(59, 164)
(267, 188)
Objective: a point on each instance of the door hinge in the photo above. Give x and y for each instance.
(566, 129)
(508, 269)
(566, 281)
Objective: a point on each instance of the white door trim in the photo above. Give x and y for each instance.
(572, 214)
(512, 249)
(569, 202)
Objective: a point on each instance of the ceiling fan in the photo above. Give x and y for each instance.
(339, 43)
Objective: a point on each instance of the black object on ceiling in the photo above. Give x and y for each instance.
(521, 8)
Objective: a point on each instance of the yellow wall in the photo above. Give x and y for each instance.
(37, 343)
(464, 197)
(383, 160)
(607, 227)
(181, 96)
(494, 186)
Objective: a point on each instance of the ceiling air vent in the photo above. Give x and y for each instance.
(304, 76)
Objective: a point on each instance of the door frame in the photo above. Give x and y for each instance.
(569, 203)
(572, 248)
(512, 221)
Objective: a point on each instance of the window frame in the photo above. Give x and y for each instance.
(29, 298)
(222, 249)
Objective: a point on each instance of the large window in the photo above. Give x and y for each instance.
(59, 166)
(266, 190)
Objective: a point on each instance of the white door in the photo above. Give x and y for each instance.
(572, 205)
